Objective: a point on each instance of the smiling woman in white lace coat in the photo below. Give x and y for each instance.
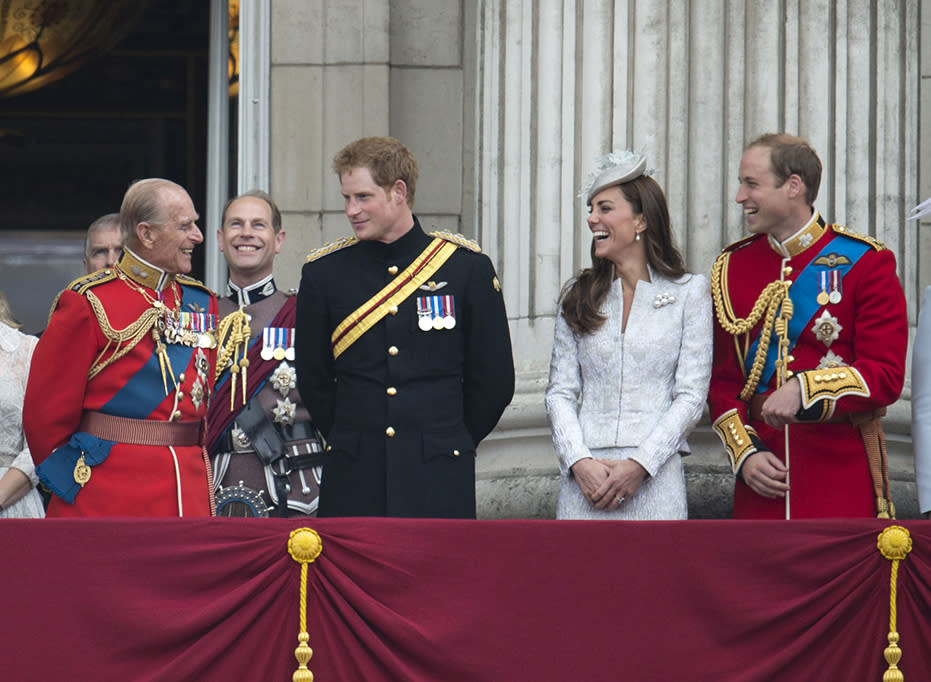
(631, 357)
(18, 495)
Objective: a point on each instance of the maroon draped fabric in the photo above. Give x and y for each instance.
(456, 601)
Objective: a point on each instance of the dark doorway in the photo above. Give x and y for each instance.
(69, 150)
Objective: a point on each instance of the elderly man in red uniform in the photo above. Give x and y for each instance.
(810, 343)
(117, 394)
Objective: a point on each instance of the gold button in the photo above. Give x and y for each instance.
(393, 350)
(177, 414)
(787, 270)
(389, 432)
(790, 358)
(740, 441)
(456, 453)
(329, 448)
(843, 375)
(789, 373)
(392, 390)
(181, 378)
(393, 270)
(393, 310)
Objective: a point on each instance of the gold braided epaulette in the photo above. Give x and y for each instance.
(458, 239)
(191, 282)
(872, 241)
(740, 243)
(85, 282)
(332, 247)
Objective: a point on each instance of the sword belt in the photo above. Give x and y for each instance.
(141, 431)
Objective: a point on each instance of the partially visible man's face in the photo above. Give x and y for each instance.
(375, 215)
(766, 206)
(104, 247)
(174, 239)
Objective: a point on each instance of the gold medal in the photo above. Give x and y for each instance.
(278, 353)
(823, 298)
(438, 323)
(82, 472)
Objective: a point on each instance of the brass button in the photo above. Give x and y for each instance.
(790, 358)
(329, 448)
(787, 270)
(789, 373)
(393, 310)
(393, 350)
(456, 453)
(181, 378)
(389, 432)
(392, 390)
(393, 270)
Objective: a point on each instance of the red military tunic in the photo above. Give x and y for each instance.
(849, 357)
(84, 364)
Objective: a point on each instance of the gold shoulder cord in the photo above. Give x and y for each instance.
(233, 335)
(124, 339)
(774, 296)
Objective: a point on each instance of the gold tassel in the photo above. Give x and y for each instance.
(304, 546)
(894, 543)
(233, 338)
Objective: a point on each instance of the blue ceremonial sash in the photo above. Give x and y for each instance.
(805, 302)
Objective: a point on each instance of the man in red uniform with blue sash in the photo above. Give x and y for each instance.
(117, 394)
(810, 340)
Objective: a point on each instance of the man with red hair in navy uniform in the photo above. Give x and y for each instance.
(117, 395)
(810, 347)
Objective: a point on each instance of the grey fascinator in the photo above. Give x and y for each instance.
(920, 211)
(613, 169)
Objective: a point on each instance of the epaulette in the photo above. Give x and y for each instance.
(82, 284)
(740, 243)
(872, 241)
(458, 239)
(332, 247)
(191, 282)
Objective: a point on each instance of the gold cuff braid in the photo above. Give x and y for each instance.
(736, 437)
(831, 383)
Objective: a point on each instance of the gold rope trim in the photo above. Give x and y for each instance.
(304, 546)
(774, 298)
(894, 543)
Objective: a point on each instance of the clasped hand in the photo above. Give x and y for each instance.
(606, 483)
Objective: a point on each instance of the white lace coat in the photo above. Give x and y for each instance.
(15, 355)
(642, 389)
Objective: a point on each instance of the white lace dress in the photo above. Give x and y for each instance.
(633, 394)
(15, 354)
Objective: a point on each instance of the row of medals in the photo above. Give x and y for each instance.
(833, 296)
(185, 334)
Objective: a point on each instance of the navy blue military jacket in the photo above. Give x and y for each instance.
(402, 409)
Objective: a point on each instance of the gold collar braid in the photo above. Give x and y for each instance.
(774, 302)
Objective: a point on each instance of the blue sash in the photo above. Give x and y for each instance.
(805, 301)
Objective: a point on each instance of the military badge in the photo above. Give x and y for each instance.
(284, 411)
(433, 286)
(830, 361)
(284, 379)
(832, 260)
(827, 329)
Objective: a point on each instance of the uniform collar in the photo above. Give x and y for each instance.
(412, 241)
(801, 240)
(143, 272)
(252, 293)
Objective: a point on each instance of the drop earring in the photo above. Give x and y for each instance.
(637, 237)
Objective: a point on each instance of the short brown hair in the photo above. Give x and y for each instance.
(791, 155)
(258, 194)
(103, 222)
(387, 160)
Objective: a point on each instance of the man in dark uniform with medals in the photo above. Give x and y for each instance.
(403, 349)
(810, 347)
(119, 383)
(265, 448)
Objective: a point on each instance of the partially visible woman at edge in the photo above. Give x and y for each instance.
(19, 498)
(631, 356)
